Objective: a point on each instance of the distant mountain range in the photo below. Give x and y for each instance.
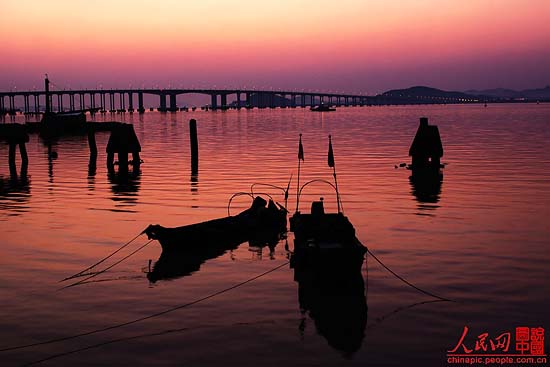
(422, 94)
(540, 93)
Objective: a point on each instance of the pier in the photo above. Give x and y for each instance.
(125, 100)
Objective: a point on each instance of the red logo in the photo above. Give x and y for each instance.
(525, 345)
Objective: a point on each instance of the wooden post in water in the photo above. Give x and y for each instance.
(93, 152)
(194, 146)
(91, 142)
(23, 152)
(11, 159)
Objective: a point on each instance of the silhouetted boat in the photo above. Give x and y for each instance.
(322, 108)
(326, 240)
(61, 123)
(257, 221)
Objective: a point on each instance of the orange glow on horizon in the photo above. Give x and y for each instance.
(122, 38)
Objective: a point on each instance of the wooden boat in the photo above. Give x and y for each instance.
(327, 261)
(322, 108)
(326, 240)
(260, 219)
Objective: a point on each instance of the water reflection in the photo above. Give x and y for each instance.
(125, 183)
(184, 262)
(426, 187)
(335, 300)
(194, 182)
(15, 190)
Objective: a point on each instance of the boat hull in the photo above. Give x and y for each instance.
(256, 222)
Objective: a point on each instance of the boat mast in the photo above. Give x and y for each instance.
(333, 165)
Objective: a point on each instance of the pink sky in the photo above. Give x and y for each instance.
(346, 45)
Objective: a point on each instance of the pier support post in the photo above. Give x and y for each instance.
(16, 135)
(130, 102)
(123, 140)
(194, 146)
(36, 104)
(238, 100)
(248, 101)
(11, 157)
(93, 152)
(224, 101)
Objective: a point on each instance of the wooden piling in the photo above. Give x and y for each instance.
(194, 146)
(92, 143)
(13, 167)
(23, 152)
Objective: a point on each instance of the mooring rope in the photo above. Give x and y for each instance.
(404, 280)
(81, 273)
(107, 268)
(175, 308)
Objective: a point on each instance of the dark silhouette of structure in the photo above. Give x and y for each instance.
(15, 135)
(426, 149)
(94, 100)
(123, 140)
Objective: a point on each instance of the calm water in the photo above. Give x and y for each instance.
(481, 239)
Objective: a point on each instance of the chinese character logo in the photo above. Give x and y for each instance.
(529, 341)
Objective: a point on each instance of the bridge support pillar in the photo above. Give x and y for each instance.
(141, 109)
(238, 100)
(26, 104)
(2, 109)
(112, 102)
(224, 101)
(173, 105)
(214, 101)
(162, 107)
(130, 102)
(12, 103)
(248, 101)
(122, 103)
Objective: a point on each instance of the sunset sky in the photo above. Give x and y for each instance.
(346, 45)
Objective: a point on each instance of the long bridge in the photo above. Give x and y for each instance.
(124, 100)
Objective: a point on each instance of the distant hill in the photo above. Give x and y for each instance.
(421, 91)
(502, 93)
